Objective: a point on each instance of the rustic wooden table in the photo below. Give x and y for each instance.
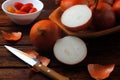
(101, 50)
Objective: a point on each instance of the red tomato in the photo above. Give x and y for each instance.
(32, 10)
(18, 5)
(20, 12)
(26, 7)
(116, 6)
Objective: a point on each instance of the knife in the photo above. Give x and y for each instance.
(35, 64)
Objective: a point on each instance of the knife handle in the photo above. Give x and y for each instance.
(49, 72)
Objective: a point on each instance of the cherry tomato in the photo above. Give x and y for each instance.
(20, 8)
(20, 12)
(26, 7)
(10, 9)
(32, 10)
(18, 5)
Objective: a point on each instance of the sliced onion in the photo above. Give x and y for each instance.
(70, 50)
(77, 17)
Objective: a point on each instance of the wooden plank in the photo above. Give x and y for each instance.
(20, 74)
(74, 74)
(102, 50)
(11, 73)
(25, 40)
(97, 56)
(5, 52)
(11, 62)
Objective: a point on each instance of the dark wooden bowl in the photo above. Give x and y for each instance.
(88, 33)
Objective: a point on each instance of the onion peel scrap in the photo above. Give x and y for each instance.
(99, 72)
(35, 55)
(11, 36)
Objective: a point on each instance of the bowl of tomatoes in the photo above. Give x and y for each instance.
(22, 12)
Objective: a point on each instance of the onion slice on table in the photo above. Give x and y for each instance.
(70, 50)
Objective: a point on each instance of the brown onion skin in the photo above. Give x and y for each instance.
(99, 71)
(103, 17)
(44, 34)
(65, 4)
(109, 1)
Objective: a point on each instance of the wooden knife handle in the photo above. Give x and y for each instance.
(49, 72)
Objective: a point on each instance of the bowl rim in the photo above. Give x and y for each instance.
(38, 11)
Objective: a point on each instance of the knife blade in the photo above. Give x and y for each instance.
(35, 64)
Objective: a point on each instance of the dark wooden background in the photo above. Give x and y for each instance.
(101, 50)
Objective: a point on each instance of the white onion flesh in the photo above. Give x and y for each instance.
(70, 50)
(75, 16)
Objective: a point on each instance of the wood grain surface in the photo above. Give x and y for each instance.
(101, 50)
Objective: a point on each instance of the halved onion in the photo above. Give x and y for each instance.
(70, 50)
(77, 17)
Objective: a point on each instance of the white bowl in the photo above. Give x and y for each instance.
(23, 19)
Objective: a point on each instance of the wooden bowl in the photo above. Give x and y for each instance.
(55, 16)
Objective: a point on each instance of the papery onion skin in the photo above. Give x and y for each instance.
(99, 72)
(11, 36)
